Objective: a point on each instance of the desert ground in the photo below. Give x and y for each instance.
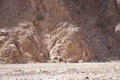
(59, 31)
(61, 71)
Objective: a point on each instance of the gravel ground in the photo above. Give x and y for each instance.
(61, 71)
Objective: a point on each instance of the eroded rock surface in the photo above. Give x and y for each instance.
(39, 41)
(67, 42)
(22, 44)
(68, 30)
(25, 43)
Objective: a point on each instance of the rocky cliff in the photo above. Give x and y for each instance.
(66, 30)
(98, 20)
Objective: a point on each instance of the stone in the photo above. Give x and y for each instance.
(117, 29)
(24, 40)
(26, 45)
(10, 52)
(23, 45)
(66, 43)
(3, 32)
(3, 39)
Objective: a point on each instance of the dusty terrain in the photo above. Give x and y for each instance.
(37, 31)
(61, 71)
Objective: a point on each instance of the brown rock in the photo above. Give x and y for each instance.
(23, 45)
(38, 41)
(2, 40)
(10, 53)
(67, 42)
(117, 28)
(3, 32)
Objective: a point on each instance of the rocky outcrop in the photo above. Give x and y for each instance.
(25, 43)
(88, 14)
(22, 44)
(68, 43)
(39, 41)
(20, 11)
(110, 14)
(117, 29)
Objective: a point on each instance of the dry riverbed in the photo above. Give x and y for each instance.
(61, 71)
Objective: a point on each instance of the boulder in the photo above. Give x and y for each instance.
(23, 45)
(117, 29)
(67, 41)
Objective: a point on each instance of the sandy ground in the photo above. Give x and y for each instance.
(61, 71)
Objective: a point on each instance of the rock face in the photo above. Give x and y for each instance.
(67, 41)
(39, 41)
(22, 44)
(20, 11)
(117, 29)
(88, 14)
(67, 30)
(25, 43)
